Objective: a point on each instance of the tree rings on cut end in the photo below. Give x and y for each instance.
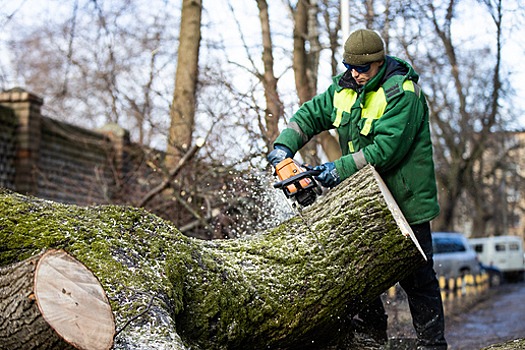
(72, 301)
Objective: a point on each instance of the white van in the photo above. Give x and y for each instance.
(502, 252)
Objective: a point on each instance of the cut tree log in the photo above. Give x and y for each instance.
(297, 285)
(293, 286)
(52, 301)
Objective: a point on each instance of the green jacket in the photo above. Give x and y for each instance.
(384, 123)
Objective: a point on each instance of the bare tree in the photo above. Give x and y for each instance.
(274, 107)
(101, 65)
(331, 18)
(304, 64)
(182, 111)
(466, 113)
(331, 24)
(306, 53)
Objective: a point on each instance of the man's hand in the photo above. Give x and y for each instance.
(279, 154)
(329, 177)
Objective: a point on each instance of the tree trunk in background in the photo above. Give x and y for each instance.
(305, 66)
(182, 111)
(52, 301)
(305, 88)
(467, 160)
(330, 146)
(274, 107)
(329, 143)
(290, 287)
(303, 84)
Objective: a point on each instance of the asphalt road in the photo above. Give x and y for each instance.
(497, 318)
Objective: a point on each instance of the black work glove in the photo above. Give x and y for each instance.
(329, 177)
(279, 154)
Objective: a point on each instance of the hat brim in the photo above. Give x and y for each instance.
(357, 60)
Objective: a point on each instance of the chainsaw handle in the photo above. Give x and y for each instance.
(295, 179)
(312, 172)
(310, 169)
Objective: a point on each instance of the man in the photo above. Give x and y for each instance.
(381, 116)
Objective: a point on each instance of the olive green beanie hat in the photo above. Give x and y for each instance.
(364, 46)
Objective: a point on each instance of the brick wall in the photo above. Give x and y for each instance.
(55, 160)
(73, 165)
(8, 124)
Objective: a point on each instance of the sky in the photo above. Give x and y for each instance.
(471, 27)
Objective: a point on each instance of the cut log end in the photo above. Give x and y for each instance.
(72, 301)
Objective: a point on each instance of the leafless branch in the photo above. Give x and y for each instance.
(172, 174)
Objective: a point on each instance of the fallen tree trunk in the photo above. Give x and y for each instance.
(297, 285)
(52, 301)
(293, 286)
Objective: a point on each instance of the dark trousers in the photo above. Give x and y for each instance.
(424, 299)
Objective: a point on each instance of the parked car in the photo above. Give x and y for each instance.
(495, 275)
(453, 256)
(504, 253)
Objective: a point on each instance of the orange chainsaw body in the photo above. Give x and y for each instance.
(297, 181)
(288, 168)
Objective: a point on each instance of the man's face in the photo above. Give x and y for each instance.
(363, 78)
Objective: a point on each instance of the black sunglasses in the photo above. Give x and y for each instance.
(359, 69)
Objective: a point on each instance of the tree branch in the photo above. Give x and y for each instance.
(172, 174)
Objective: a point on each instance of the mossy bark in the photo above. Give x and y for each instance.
(517, 344)
(126, 248)
(293, 286)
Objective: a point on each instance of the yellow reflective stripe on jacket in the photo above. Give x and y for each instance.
(374, 107)
(409, 85)
(343, 102)
(375, 104)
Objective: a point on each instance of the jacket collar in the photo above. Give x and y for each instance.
(392, 66)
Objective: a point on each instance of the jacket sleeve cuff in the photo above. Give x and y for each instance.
(291, 139)
(346, 166)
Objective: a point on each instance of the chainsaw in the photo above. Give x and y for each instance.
(297, 181)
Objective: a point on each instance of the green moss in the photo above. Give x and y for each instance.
(281, 288)
(516, 344)
(124, 247)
